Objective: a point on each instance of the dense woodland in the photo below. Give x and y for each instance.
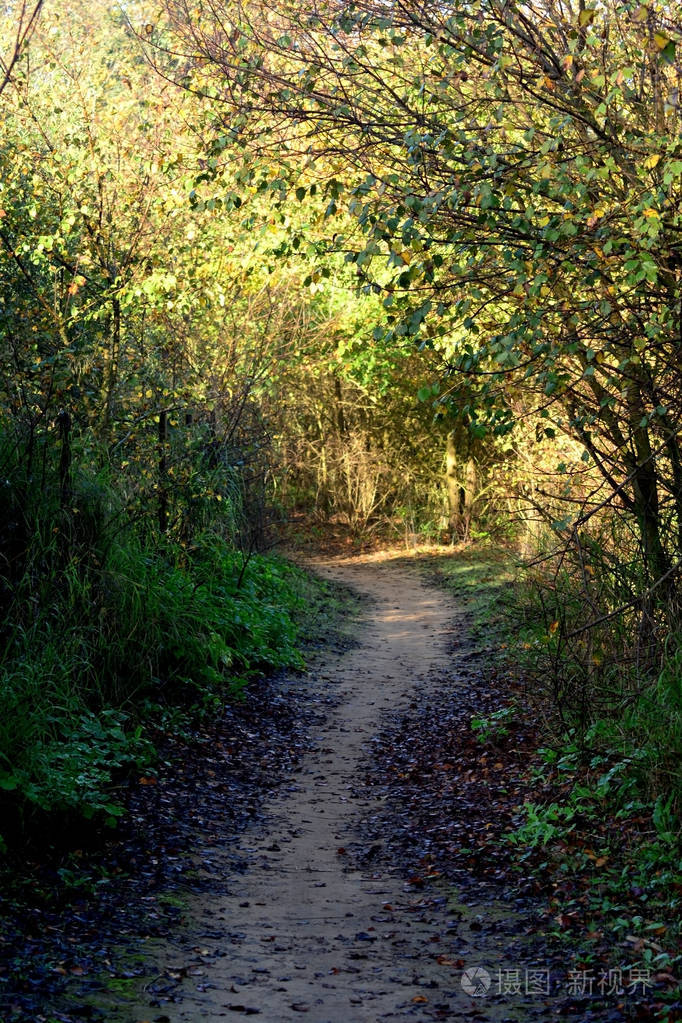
(410, 269)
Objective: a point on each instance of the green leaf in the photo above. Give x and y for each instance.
(668, 53)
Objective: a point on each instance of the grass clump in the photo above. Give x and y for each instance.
(600, 823)
(108, 630)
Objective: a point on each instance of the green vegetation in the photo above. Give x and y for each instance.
(603, 789)
(106, 631)
(413, 270)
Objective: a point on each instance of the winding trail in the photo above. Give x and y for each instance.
(299, 931)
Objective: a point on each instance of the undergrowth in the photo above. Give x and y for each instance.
(111, 633)
(600, 824)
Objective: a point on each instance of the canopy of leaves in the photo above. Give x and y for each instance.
(515, 173)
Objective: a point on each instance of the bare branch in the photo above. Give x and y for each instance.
(26, 19)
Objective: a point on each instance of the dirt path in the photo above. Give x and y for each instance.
(299, 930)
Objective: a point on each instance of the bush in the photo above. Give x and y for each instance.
(105, 627)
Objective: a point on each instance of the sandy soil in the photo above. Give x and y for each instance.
(299, 930)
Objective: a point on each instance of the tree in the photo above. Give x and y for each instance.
(21, 20)
(515, 171)
(118, 290)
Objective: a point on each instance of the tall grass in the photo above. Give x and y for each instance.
(105, 624)
(607, 698)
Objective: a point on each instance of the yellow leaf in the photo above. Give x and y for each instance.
(661, 40)
(76, 284)
(553, 627)
(652, 160)
(586, 17)
(543, 221)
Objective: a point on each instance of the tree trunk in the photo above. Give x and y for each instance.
(111, 375)
(469, 492)
(64, 421)
(162, 507)
(645, 494)
(453, 487)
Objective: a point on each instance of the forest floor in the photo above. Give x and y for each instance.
(330, 848)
